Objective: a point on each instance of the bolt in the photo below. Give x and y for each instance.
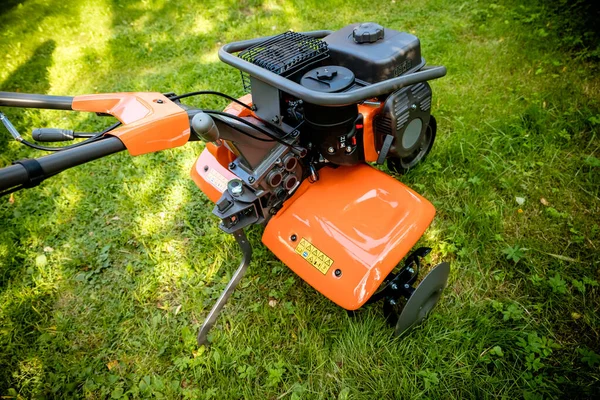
(235, 187)
(275, 120)
(412, 271)
(349, 149)
(406, 286)
(205, 168)
(393, 286)
(231, 165)
(331, 150)
(295, 133)
(293, 238)
(251, 179)
(392, 302)
(414, 107)
(338, 272)
(159, 101)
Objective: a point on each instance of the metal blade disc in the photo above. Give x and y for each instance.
(424, 298)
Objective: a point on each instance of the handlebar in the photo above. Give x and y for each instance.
(27, 100)
(321, 98)
(18, 174)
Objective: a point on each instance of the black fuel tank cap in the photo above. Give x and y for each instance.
(368, 32)
(328, 79)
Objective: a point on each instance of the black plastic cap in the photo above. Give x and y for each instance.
(369, 32)
(328, 79)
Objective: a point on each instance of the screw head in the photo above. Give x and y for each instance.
(331, 150)
(406, 286)
(412, 271)
(393, 286)
(293, 238)
(348, 149)
(205, 168)
(392, 302)
(251, 179)
(159, 101)
(235, 187)
(337, 272)
(231, 165)
(413, 107)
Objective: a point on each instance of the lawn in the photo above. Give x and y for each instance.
(107, 270)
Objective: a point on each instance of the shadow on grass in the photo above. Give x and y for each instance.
(31, 76)
(97, 264)
(8, 5)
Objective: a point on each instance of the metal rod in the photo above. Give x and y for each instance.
(29, 100)
(320, 98)
(246, 248)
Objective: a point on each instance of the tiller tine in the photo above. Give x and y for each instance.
(423, 298)
(246, 248)
(420, 300)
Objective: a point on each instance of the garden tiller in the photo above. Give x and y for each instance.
(296, 155)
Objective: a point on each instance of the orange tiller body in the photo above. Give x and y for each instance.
(151, 122)
(355, 223)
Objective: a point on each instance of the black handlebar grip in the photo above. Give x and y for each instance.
(52, 164)
(52, 135)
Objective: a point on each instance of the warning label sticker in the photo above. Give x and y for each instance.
(314, 256)
(217, 180)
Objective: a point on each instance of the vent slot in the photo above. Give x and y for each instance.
(284, 54)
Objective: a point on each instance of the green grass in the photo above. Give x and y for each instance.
(107, 270)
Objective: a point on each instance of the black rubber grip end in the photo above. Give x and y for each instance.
(35, 173)
(52, 135)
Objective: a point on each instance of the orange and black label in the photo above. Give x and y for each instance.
(314, 256)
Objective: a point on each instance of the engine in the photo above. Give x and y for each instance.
(394, 125)
(306, 89)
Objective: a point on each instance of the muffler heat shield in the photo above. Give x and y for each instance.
(346, 232)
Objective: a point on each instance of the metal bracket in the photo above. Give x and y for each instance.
(246, 248)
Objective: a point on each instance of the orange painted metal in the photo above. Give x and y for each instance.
(151, 122)
(360, 218)
(211, 170)
(223, 155)
(369, 112)
(236, 109)
(210, 174)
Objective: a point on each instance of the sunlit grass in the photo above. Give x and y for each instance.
(107, 270)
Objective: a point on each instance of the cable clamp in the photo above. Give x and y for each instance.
(35, 173)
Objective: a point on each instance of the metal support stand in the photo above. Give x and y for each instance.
(242, 241)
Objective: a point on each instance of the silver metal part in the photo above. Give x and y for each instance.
(240, 237)
(10, 128)
(424, 298)
(266, 99)
(236, 187)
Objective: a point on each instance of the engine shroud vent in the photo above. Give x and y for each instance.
(401, 108)
(285, 54)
